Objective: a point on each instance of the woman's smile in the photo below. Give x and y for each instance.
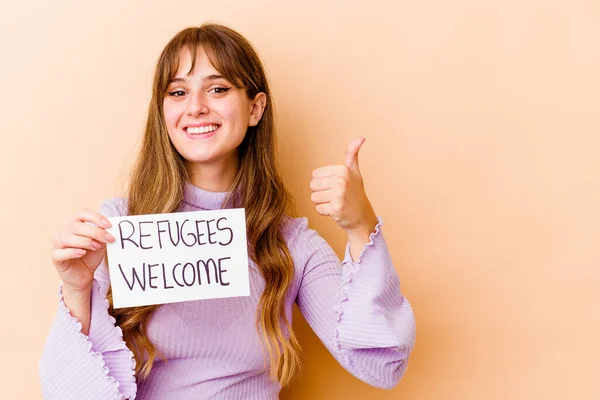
(202, 131)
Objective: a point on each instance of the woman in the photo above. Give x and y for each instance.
(209, 143)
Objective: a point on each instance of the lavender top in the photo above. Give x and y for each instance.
(212, 346)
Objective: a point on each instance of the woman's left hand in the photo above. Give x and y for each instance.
(339, 192)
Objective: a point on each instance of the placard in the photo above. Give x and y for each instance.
(167, 258)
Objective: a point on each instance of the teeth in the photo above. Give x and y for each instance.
(196, 130)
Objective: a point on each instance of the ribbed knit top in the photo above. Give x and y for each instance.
(212, 347)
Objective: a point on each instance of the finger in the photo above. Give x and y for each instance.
(352, 153)
(324, 209)
(70, 240)
(318, 184)
(87, 215)
(61, 255)
(321, 197)
(328, 209)
(330, 170)
(98, 245)
(92, 232)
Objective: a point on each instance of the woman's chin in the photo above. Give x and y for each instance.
(206, 159)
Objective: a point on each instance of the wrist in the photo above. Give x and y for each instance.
(78, 301)
(365, 228)
(76, 292)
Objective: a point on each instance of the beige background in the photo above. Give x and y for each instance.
(482, 127)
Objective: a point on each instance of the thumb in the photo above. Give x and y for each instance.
(352, 153)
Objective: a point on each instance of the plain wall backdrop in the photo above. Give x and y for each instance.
(482, 127)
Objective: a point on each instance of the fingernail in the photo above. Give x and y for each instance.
(109, 237)
(96, 246)
(106, 223)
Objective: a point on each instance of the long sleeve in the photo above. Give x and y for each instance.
(97, 366)
(356, 308)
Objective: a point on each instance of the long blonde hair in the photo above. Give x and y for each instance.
(159, 177)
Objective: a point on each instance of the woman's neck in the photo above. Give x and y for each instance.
(214, 177)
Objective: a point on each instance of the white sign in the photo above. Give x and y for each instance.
(167, 258)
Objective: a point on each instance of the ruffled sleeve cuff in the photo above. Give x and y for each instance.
(71, 368)
(371, 311)
(375, 236)
(107, 338)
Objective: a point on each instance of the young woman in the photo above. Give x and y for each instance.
(209, 143)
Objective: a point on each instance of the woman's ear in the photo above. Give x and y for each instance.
(257, 108)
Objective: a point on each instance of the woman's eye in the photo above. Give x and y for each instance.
(177, 93)
(219, 90)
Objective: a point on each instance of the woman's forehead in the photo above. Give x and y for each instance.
(188, 65)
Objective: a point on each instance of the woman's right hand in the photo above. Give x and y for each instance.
(79, 247)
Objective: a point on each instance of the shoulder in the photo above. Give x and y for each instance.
(292, 227)
(297, 233)
(114, 207)
(303, 242)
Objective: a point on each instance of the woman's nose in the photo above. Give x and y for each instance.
(196, 105)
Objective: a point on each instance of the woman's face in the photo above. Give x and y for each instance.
(206, 116)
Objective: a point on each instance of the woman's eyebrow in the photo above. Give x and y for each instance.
(206, 78)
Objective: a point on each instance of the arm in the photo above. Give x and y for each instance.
(360, 237)
(357, 309)
(79, 304)
(92, 363)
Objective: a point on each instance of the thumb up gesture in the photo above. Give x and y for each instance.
(338, 191)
